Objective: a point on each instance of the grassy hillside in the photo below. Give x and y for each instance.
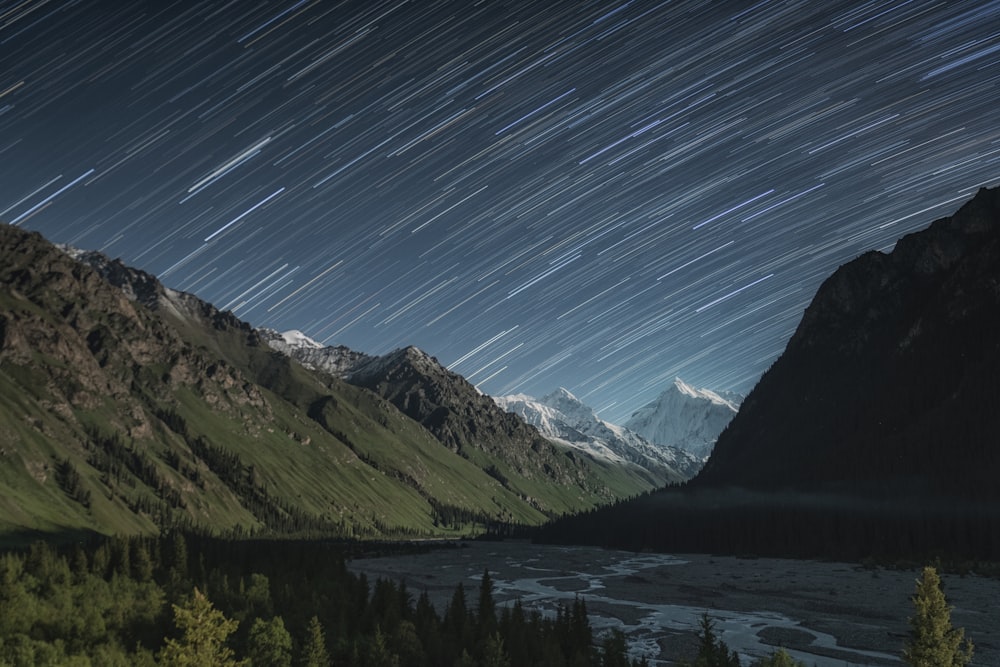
(132, 410)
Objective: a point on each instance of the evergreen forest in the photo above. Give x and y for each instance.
(191, 600)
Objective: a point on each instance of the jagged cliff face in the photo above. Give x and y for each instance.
(90, 342)
(465, 420)
(336, 360)
(889, 382)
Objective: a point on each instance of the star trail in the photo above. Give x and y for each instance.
(595, 195)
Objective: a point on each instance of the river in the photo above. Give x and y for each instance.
(825, 614)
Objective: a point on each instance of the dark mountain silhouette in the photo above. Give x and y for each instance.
(889, 384)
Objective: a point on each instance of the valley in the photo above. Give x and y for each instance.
(827, 614)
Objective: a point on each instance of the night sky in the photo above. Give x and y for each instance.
(594, 195)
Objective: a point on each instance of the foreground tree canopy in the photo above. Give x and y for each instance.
(933, 642)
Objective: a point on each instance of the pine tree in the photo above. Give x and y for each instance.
(486, 614)
(142, 563)
(456, 626)
(494, 653)
(379, 654)
(314, 652)
(614, 649)
(270, 645)
(933, 642)
(204, 633)
(712, 651)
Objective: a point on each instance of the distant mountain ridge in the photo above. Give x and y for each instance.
(559, 415)
(562, 416)
(458, 414)
(684, 417)
(336, 360)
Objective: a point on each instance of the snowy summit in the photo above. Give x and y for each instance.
(296, 338)
(684, 417)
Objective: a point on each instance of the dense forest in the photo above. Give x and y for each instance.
(184, 599)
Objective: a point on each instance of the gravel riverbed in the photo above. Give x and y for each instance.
(824, 613)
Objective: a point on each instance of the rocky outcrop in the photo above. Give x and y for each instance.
(462, 417)
(336, 360)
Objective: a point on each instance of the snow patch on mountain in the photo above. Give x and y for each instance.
(337, 360)
(684, 417)
(296, 338)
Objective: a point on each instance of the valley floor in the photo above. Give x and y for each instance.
(826, 614)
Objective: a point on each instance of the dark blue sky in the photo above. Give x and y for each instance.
(600, 196)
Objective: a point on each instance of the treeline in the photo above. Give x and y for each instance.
(279, 517)
(792, 525)
(171, 600)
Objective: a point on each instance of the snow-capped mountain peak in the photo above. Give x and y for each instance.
(575, 410)
(339, 360)
(296, 338)
(561, 416)
(685, 417)
(706, 394)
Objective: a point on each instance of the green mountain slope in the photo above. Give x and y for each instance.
(126, 407)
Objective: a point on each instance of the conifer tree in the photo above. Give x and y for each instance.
(314, 652)
(614, 649)
(486, 613)
(379, 654)
(779, 658)
(494, 653)
(712, 651)
(456, 626)
(142, 563)
(204, 630)
(933, 642)
(270, 645)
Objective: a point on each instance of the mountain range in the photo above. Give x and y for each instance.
(441, 400)
(563, 417)
(675, 457)
(128, 407)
